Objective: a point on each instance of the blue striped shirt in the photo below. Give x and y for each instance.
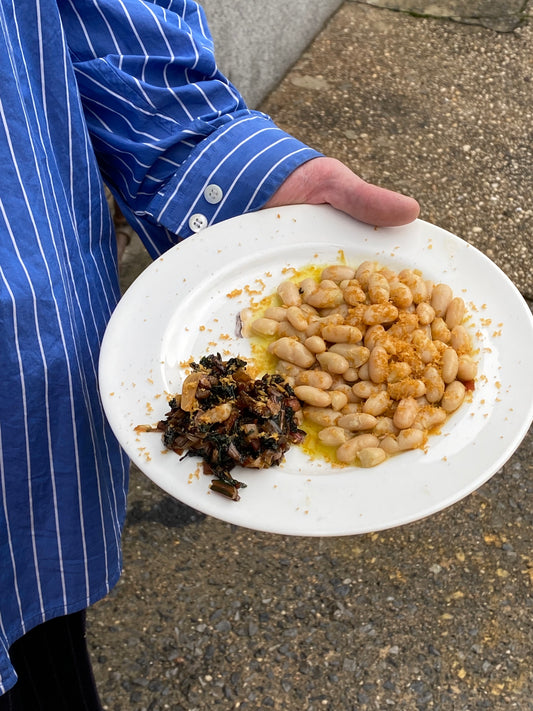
(127, 91)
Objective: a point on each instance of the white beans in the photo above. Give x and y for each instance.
(353, 293)
(453, 396)
(460, 340)
(405, 413)
(380, 313)
(377, 403)
(378, 288)
(434, 384)
(315, 344)
(339, 399)
(337, 272)
(450, 365)
(265, 326)
(365, 388)
(312, 396)
(466, 368)
(328, 295)
(218, 413)
(341, 333)
(332, 436)
(411, 438)
(415, 283)
(355, 355)
(425, 312)
(363, 272)
(347, 452)
(378, 364)
(400, 295)
(371, 456)
(297, 318)
(289, 293)
(278, 313)
(385, 426)
(439, 330)
(455, 312)
(409, 387)
(378, 359)
(345, 389)
(323, 416)
(188, 392)
(357, 421)
(333, 362)
(351, 375)
(398, 372)
(389, 444)
(429, 417)
(440, 299)
(293, 351)
(316, 378)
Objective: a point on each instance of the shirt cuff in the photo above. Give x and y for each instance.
(233, 171)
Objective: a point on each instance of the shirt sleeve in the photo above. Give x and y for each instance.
(175, 140)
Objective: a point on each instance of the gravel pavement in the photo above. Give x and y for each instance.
(435, 615)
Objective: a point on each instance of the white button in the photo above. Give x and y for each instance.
(213, 194)
(197, 222)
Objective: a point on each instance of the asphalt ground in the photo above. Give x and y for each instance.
(435, 615)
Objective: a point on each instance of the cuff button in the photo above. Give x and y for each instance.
(197, 222)
(213, 194)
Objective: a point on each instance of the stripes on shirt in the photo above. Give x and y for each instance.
(63, 478)
(128, 90)
(164, 120)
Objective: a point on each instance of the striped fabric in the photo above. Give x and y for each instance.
(128, 89)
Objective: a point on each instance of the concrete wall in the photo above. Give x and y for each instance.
(257, 41)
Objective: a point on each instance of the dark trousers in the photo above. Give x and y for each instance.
(54, 669)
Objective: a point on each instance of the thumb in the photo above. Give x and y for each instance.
(327, 180)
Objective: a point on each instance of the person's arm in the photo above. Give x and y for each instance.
(174, 139)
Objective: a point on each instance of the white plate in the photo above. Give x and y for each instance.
(185, 305)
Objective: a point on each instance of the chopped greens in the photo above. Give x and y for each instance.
(229, 419)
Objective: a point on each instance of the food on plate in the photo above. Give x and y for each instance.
(228, 418)
(378, 358)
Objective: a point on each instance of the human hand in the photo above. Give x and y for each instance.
(327, 180)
